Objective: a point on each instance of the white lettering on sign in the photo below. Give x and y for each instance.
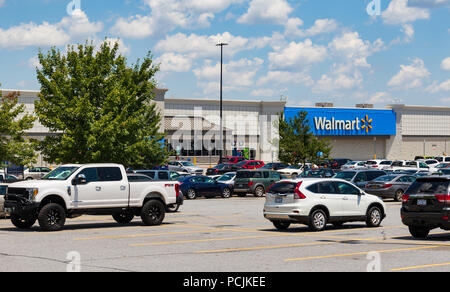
(323, 123)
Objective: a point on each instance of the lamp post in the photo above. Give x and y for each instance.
(221, 45)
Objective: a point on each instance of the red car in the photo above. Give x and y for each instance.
(249, 164)
(232, 160)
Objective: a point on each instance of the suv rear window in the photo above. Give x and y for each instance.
(283, 188)
(429, 186)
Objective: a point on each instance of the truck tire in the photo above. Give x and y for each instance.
(52, 217)
(153, 213)
(419, 232)
(123, 218)
(259, 191)
(22, 223)
(172, 208)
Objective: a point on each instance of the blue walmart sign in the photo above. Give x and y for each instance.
(347, 122)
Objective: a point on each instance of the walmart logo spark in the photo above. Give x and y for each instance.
(367, 124)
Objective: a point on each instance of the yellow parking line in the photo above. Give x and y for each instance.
(202, 240)
(264, 247)
(361, 253)
(420, 267)
(145, 235)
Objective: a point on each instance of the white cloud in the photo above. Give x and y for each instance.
(167, 15)
(410, 76)
(266, 11)
(445, 65)
(296, 56)
(284, 77)
(353, 49)
(437, 87)
(381, 98)
(398, 12)
(171, 62)
(320, 26)
(237, 75)
(263, 92)
(68, 29)
(337, 81)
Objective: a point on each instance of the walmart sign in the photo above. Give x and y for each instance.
(351, 122)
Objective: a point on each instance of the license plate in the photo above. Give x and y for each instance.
(278, 200)
(421, 202)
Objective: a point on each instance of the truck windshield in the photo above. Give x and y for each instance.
(61, 173)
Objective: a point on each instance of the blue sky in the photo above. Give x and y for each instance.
(306, 50)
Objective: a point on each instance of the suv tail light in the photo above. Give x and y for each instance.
(177, 190)
(298, 195)
(443, 198)
(250, 183)
(405, 198)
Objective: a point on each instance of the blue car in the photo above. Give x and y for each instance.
(203, 186)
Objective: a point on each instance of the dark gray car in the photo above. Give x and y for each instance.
(359, 177)
(390, 186)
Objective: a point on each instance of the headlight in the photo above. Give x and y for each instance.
(32, 193)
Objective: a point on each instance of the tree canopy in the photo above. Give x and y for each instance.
(98, 108)
(297, 143)
(15, 147)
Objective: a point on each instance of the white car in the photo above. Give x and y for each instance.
(292, 170)
(316, 202)
(378, 163)
(228, 179)
(353, 165)
(430, 162)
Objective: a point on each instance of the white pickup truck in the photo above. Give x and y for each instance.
(92, 189)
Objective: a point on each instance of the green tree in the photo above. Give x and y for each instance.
(99, 109)
(297, 143)
(15, 147)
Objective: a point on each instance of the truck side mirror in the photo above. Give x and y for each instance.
(79, 180)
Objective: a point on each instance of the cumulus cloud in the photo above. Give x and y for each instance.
(68, 29)
(445, 65)
(266, 11)
(398, 12)
(320, 26)
(167, 15)
(295, 56)
(410, 76)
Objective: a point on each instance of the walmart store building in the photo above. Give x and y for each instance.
(395, 132)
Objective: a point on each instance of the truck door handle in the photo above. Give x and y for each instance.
(98, 189)
(122, 188)
(345, 199)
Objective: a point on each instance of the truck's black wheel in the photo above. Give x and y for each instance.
(52, 217)
(22, 222)
(153, 213)
(172, 208)
(419, 232)
(123, 218)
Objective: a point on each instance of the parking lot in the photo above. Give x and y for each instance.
(222, 235)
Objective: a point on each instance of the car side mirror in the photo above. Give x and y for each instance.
(79, 180)
(362, 193)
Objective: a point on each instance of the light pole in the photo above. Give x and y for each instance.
(221, 45)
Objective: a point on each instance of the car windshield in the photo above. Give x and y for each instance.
(242, 163)
(294, 167)
(385, 162)
(226, 177)
(187, 163)
(442, 165)
(311, 173)
(346, 175)
(351, 163)
(385, 178)
(219, 166)
(61, 173)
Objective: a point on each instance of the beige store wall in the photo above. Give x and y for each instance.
(358, 148)
(428, 146)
